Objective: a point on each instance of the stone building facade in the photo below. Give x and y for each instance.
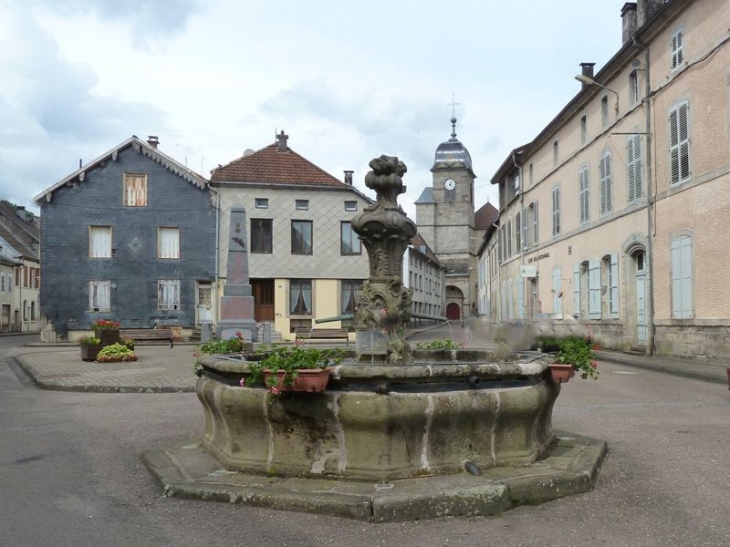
(305, 262)
(423, 273)
(612, 220)
(130, 237)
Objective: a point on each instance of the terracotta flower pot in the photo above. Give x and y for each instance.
(307, 380)
(561, 373)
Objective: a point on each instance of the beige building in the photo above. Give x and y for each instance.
(423, 273)
(612, 219)
(305, 262)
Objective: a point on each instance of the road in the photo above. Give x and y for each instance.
(71, 475)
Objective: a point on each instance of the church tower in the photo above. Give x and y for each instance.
(445, 219)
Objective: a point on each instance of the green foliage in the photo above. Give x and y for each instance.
(217, 346)
(574, 351)
(115, 353)
(290, 360)
(443, 343)
(89, 341)
(129, 343)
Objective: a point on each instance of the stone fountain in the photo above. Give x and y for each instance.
(398, 434)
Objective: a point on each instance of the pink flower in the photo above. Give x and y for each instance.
(238, 334)
(275, 390)
(297, 343)
(594, 364)
(242, 382)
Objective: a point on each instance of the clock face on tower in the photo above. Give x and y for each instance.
(449, 184)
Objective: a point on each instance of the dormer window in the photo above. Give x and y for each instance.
(515, 182)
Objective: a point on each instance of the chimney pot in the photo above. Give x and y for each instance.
(586, 69)
(153, 141)
(348, 177)
(281, 139)
(645, 10)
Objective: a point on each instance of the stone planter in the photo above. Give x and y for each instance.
(561, 373)
(89, 352)
(108, 337)
(306, 380)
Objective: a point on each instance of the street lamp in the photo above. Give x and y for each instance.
(587, 80)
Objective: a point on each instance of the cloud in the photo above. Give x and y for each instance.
(148, 17)
(50, 114)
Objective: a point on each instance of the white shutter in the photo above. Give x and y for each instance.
(576, 290)
(682, 298)
(535, 234)
(634, 164)
(556, 211)
(613, 283)
(594, 288)
(525, 227)
(679, 144)
(676, 279)
(604, 173)
(557, 294)
(169, 243)
(518, 231)
(584, 195)
(520, 297)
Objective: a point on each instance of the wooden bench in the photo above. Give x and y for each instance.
(321, 334)
(147, 334)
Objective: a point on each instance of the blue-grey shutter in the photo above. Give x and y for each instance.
(613, 279)
(520, 297)
(594, 288)
(576, 290)
(535, 234)
(557, 294)
(682, 298)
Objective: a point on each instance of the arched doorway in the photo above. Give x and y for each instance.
(453, 312)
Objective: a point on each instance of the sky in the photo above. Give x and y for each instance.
(347, 81)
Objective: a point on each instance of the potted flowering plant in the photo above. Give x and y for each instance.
(294, 369)
(574, 355)
(115, 353)
(90, 346)
(107, 331)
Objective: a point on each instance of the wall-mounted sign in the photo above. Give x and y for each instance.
(528, 271)
(538, 257)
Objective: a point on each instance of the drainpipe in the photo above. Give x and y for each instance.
(522, 232)
(650, 213)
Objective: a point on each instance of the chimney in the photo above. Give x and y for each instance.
(348, 177)
(153, 141)
(628, 21)
(646, 9)
(281, 139)
(20, 211)
(586, 69)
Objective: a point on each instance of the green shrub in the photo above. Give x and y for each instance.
(443, 343)
(115, 353)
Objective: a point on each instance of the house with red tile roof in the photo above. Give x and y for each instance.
(304, 260)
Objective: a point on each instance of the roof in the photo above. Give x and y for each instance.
(273, 166)
(422, 247)
(139, 145)
(485, 216)
(510, 162)
(20, 247)
(426, 196)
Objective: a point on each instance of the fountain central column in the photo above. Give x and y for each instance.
(384, 305)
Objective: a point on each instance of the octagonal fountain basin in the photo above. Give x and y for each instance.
(444, 411)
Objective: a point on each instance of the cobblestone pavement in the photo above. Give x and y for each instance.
(159, 369)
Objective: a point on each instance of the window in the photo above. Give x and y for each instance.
(135, 190)
(10, 283)
(634, 87)
(350, 292)
(604, 173)
(168, 294)
(609, 286)
(168, 243)
(555, 153)
(351, 206)
(300, 297)
(634, 166)
(584, 196)
(583, 129)
(301, 237)
(261, 235)
(2, 282)
(532, 175)
(301, 204)
(677, 50)
(604, 110)
(535, 234)
(594, 288)
(32, 311)
(349, 242)
(682, 297)
(679, 153)
(518, 231)
(556, 211)
(100, 296)
(509, 238)
(261, 203)
(515, 182)
(100, 241)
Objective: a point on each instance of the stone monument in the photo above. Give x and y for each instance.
(237, 302)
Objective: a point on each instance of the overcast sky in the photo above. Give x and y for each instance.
(347, 81)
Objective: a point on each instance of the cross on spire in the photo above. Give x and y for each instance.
(453, 104)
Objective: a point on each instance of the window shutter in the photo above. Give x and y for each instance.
(594, 289)
(584, 196)
(525, 228)
(520, 297)
(683, 130)
(557, 293)
(556, 211)
(634, 162)
(576, 290)
(676, 279)
(518, 231)
(686, 275)
(535, 234)
(613, 282)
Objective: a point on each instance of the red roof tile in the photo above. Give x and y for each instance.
(271, 166)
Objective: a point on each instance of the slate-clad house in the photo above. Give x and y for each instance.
(129, 236)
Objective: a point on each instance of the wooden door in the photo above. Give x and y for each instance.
(263, 295)
(453, 312)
